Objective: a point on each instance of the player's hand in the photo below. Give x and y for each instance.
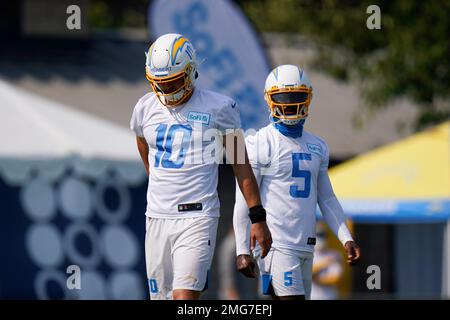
(261, 233)
(353, 252)
(246, 265)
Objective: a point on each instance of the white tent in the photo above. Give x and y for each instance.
(57, 167)
(46, 135)
(35, 126)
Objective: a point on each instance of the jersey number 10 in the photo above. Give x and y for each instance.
(297, 173)
(164, 143)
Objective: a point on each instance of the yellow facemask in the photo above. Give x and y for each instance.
(289, 103)
(172, 90)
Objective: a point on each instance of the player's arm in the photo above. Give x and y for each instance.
(143, 152)
(236, 152)
(334, 216)
(242, 226)
(136, 126)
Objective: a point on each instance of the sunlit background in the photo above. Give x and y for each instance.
(72, 188)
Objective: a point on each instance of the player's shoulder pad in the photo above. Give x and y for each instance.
(255, 136)
(146, 101)
(316, 144)
(259, 146)
(218, 100)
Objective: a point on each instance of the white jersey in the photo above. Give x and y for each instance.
(183, 174)
(292, 174)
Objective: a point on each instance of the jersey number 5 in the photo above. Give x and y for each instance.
(297, 173)
(164, 143)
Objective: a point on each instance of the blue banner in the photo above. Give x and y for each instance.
(232, 61)
(84, 223)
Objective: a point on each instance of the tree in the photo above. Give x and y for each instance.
(408, 57)
(114, 14)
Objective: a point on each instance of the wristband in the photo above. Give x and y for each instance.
(257, 214)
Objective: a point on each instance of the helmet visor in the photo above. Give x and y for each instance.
(290, 97)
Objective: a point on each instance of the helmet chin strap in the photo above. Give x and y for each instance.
(293, 131)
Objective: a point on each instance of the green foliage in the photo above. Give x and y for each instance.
(114, 14)
(409, 56)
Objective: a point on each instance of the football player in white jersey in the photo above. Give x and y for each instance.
(180, 129)
(291, 168)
